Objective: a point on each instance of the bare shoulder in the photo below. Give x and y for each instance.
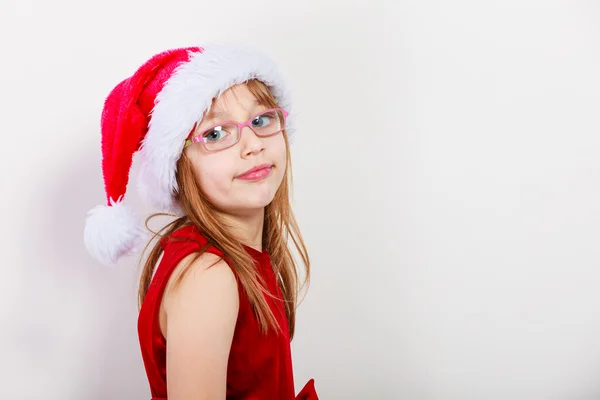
(198, 282)
(197, 278)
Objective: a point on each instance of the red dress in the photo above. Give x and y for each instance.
(259, 365)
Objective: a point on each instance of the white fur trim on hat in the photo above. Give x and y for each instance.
(112, 231)
(182, 102)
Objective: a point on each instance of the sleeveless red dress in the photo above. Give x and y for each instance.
(259, 365)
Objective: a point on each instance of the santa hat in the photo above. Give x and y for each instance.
(153, 112)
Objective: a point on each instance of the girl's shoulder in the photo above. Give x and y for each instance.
(180, 254)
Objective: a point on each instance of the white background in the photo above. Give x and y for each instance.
(446, 180)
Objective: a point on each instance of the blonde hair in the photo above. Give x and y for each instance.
(279, 226)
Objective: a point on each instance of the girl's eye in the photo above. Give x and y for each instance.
(262, 120)
(215, 134)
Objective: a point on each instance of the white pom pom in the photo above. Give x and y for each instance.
(111, 232)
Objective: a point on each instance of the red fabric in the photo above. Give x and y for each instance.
(259, 366)
(125, 116)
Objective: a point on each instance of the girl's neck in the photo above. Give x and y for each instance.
(247, 228)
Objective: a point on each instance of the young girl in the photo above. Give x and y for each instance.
(219, 288)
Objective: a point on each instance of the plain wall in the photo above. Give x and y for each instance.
(446, 180)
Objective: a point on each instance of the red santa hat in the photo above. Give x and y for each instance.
(152, 112)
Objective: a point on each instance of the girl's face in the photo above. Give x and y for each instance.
(222, 175)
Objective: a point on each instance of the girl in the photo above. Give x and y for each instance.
(218, 291)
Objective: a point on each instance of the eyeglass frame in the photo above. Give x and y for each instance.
(240, 126)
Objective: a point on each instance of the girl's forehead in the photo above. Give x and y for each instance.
(237, 97)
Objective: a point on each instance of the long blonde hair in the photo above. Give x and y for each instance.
(279, 226)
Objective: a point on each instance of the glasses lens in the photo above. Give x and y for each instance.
(268, 123)
(220, 137)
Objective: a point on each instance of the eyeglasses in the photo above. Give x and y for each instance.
(227, 134)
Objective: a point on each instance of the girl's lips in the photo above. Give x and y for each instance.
(256, 173)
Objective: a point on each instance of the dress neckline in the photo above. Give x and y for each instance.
(260, 255)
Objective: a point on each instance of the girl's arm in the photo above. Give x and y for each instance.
(201, 313)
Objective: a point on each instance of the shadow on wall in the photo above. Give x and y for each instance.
(85, 314)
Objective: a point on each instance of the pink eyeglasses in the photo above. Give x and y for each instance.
(227, 134)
